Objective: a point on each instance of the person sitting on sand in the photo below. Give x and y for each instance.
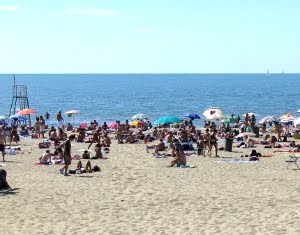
(96, 138)
(61, 135)
(53, 134)
(180, 159)
(105, 142)
(86, 155)
(131, 138)
(69, 127)
(46, 157)
(80, 137)
(58, 155)
(155, 133)
(159, 147)
(98, 152)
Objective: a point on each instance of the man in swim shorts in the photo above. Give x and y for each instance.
(67, 155)
(60, 120)
(2, 143)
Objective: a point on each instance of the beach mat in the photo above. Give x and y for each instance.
(236, 161)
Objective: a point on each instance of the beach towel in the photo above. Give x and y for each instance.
(187, 166)
(43, 164)
(76, 157)
(161, 156)
(236, 161)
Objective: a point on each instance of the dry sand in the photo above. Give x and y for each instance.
(135, 193)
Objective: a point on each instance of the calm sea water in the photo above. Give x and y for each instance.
(110, 97)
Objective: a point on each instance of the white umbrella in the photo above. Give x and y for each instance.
(296, 122)
(298, 111)
(268, 119)
(139, 116)
(250, 114)
(213, 113)
(287, 120)
(73, 112)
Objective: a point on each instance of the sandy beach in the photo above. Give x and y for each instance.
(135, 193)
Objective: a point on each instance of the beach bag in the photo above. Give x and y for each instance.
(3, 182)
(96, 168)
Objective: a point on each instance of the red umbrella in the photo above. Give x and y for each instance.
(27, 112)
(113, 125)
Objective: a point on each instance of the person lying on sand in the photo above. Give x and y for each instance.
(87, 169)
(293, 150)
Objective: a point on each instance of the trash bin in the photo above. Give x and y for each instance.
(228, 144)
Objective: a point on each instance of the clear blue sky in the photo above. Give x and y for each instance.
(154, 36)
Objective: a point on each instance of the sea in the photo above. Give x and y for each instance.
(111, 97)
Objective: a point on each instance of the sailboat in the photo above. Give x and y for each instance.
(268, 74)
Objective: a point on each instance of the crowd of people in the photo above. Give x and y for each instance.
(168, 142)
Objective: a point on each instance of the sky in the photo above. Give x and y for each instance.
(149, 36)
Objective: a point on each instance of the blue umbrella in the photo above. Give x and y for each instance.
(2, 122)
(20, 117)
(192, 116)
(168, 120)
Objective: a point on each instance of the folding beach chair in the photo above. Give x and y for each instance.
(293, 159)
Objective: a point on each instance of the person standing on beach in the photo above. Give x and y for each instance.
(2, 143)
(60, 120)
(67, 155)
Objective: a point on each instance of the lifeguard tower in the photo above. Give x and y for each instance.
(19, 100)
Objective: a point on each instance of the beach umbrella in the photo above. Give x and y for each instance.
(287, 115)
(167, 120)
(213, 113)
(229, 120)
(139, 116)
(268, 119)
(192, 116)
(27, 112)
(298, 111)
(250, 114)
(138, 123)
(243, 134)
(19, 117)
(113, 125)
(287, 120)
(296, 122)
(73, 112)
(2, 122)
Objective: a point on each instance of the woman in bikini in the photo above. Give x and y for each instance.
(206, 140)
